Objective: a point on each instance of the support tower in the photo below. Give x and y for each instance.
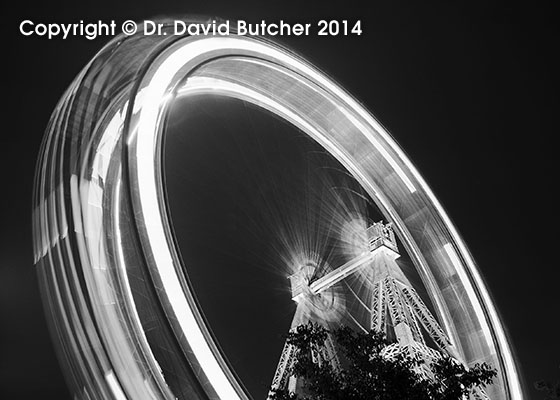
(395, 307)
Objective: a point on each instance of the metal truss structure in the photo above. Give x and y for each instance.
(395, 307)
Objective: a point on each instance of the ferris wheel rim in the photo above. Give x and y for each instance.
(173, 70)
(399, 162)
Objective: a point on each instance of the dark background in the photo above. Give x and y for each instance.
(467, 90)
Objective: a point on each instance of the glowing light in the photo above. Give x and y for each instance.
(469, 289)
(116, 389)
(381, 149)
(87, 195)
(149, 200)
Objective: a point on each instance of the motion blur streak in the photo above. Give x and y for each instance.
(119, 304)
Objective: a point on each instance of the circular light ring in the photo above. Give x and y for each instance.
(108, 264)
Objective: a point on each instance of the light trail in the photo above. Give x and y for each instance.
(270, 77)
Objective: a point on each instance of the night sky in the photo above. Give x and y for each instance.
(467, 91)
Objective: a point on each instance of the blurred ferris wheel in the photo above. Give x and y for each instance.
(122, 301)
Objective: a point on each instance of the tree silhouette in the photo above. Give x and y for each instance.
(365, 373)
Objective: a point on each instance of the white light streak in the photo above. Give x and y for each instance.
(396, 167)
(149, 200)
(146, 141)
(86, 198)
(116, 389)
(450, 251)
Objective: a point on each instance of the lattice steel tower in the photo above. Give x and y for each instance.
(394, 308)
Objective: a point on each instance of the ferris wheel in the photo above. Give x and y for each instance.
(120, 302)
